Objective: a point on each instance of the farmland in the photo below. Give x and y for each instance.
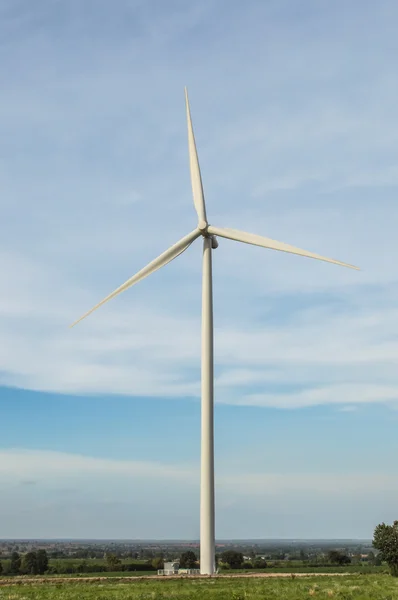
(347, 587)
(293, 567)
(250, 571)
(72, 568)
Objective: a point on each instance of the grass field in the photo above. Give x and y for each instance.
(356, 587)
(363, 569)
(103, 574)
(354, 569)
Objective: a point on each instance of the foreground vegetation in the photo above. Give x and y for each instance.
(355, 587)
(38, 563)
(98, 568)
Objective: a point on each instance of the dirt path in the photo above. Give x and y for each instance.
(54, 580)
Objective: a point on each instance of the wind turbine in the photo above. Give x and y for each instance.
(208, 233)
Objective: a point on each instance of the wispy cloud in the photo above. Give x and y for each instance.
(74, 494)
(296, 141)
(51, 467)
(333, 394)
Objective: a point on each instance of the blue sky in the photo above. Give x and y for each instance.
(294, 110)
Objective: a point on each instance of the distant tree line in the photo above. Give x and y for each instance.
(31, 563)
(36, 562)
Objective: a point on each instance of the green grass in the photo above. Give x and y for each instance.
(94, 561)
(353, 569)
(371, 569)
(350, 587)
(103, 574)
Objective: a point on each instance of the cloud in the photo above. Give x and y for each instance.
(340, 351)
(53, 467)
(329, 483)
(82, 496)
(95, 183)
(333, 394)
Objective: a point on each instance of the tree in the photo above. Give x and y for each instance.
(29, 563)
(15, 564)
(113, 562)
(42, 561)
(1, 568)
(232, 558)
(158, 563)
(259, 563)
(303, 555)
(357, 559)
(188, 560)
(338, 558)
(385, 539)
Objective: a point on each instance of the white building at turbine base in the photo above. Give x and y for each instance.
(173, 568)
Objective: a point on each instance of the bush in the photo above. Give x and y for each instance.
(338, 558)
(394, 570)
(158, 563)
(259, 563)
(234, 559)
(188, 560)
(138, 567)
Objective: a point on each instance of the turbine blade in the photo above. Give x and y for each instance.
(196, 178)
(258, 240)
(153, 266)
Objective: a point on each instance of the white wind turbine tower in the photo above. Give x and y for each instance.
(208, 233)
